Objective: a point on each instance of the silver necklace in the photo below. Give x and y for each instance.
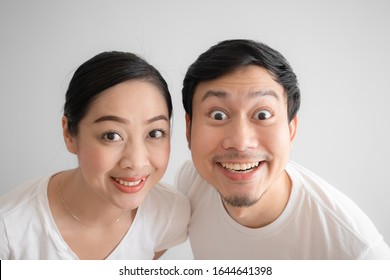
(74, 215)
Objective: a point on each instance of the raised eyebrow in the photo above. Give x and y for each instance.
(262, 93)
(254, 94)
(215, 93)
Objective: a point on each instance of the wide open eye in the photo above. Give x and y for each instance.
(112, 137)
(263, 114)
(218, 115)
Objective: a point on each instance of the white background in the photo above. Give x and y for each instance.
(338, 49)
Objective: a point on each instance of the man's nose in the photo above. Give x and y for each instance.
(241, 135)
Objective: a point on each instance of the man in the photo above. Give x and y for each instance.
(248, 200)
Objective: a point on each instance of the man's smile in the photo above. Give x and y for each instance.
(239, 167)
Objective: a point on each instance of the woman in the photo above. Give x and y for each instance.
(117, 121)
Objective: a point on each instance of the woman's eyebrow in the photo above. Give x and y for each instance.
(157, 118)
(111, 118)
(125, 121)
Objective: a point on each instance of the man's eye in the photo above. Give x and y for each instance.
(218, 115)
(112, 137)
(263, 114)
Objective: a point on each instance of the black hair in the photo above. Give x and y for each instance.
(229, 55)
(102, 72)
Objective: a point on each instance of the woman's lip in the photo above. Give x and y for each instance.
(129, 181)
(129, 185)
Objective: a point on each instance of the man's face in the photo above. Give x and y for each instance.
(239, 135)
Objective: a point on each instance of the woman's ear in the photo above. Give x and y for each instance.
(70, 140)
(188, 130)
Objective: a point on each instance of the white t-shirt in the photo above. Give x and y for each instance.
(318, 222)
(28, 230)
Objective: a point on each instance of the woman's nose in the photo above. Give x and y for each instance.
(135, 156)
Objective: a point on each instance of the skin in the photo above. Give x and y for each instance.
(124, 139)
(242, 116)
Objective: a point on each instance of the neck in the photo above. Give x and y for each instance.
(83, 204)
(269, 207)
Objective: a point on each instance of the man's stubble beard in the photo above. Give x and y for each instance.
(240, 201)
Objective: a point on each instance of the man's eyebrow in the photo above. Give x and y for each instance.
(261, 93)
(254, 94)
(216, 93)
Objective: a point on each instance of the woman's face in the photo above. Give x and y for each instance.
(123, 142)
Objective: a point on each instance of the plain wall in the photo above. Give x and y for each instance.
(338, 49)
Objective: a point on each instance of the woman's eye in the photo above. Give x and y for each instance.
(157, 134)
(263, 114)
(218, 115)
(112, 137)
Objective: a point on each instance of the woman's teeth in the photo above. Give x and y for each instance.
(129, 184)
(239, 167)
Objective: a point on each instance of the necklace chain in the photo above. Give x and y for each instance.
(74, 215)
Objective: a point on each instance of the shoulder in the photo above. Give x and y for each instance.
(188, 178)
(338, 213)
(20, 218)
(187, 172)
(164, 215)
(165, 209)
(164, 191)
(23, 194)
(166, 198)
(320, 190)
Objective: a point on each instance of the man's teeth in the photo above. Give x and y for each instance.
(239, 166)
(129, 184)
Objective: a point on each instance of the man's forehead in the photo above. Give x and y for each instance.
(248, 76)
(249, 95)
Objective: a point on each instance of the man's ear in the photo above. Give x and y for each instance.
(188, 130)
(293, 126)
(70, 140)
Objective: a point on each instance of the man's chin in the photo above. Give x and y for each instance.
(240, 201)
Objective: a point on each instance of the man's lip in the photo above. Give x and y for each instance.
(241, 175)
(240, 166)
